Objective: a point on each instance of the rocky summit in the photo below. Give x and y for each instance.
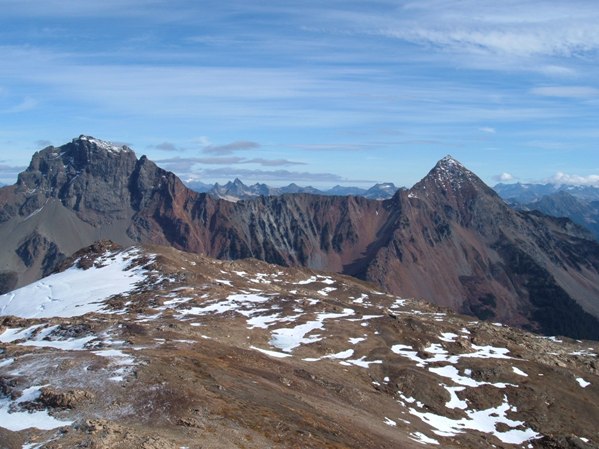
(450, 239)
(151, 347)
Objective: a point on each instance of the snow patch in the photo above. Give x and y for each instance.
(15, 419)
(339, 355)
(6, 362)
(235, 302)
(449, 337)
(108, 146)
(278, 355)
(519, 372)
(482, 420)
(390, 422)
(583, 383)
(75, 292)
(361, 362)
(455, 401)
(287, 339)
(422, 438)
(356, 340)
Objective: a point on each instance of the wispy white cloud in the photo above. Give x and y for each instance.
(554, 70)
(186, 163)
(26, 104)
(334, 146)
(42, 143)
(230, 148)
(519, 28)
(286, 176)
(566, 91)
(321, 77)
(322, 97)
(504, 177)
(569, 179)
(272, 162)
(91, 8)
(167, 146)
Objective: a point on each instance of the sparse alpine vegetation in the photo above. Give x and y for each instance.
(186, 349)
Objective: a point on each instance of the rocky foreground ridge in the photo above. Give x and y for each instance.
(155, 348)
(449, 239)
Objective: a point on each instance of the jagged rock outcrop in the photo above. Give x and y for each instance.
(450, 239)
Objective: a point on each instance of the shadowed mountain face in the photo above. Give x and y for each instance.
(580, 210)
(450, 239)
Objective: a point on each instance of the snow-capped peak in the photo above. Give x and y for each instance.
(108, 146)
(450, 161)
(448, 166)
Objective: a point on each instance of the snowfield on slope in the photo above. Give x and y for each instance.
(75, 291)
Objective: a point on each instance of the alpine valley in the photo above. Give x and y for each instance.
(137, 313)
(449, 240)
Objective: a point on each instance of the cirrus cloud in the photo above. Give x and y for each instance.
(566, 91)
(230, 148)
(274, 176)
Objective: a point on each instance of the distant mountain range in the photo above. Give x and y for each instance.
(527, 193)
(450, 239)
(236, 190)
(578, 203)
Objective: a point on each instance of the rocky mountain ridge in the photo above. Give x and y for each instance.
(236, 190)
(449, 239)
(564, 204)
(180, 350)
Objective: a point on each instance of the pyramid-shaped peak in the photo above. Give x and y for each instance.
(449, 175)
(449, 167)
(450, 161)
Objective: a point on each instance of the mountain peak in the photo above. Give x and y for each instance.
(450, 163)
(103, 144)
(449, 175)
(451, 184)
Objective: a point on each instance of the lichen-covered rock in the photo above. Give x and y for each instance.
(64, 399)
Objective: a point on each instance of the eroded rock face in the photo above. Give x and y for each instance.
(87, 175)
(450, 239)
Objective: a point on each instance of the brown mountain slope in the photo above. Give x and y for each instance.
(450, 239)
(156, 348)
(462, 245)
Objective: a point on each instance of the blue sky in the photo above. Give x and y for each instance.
(314, 92)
